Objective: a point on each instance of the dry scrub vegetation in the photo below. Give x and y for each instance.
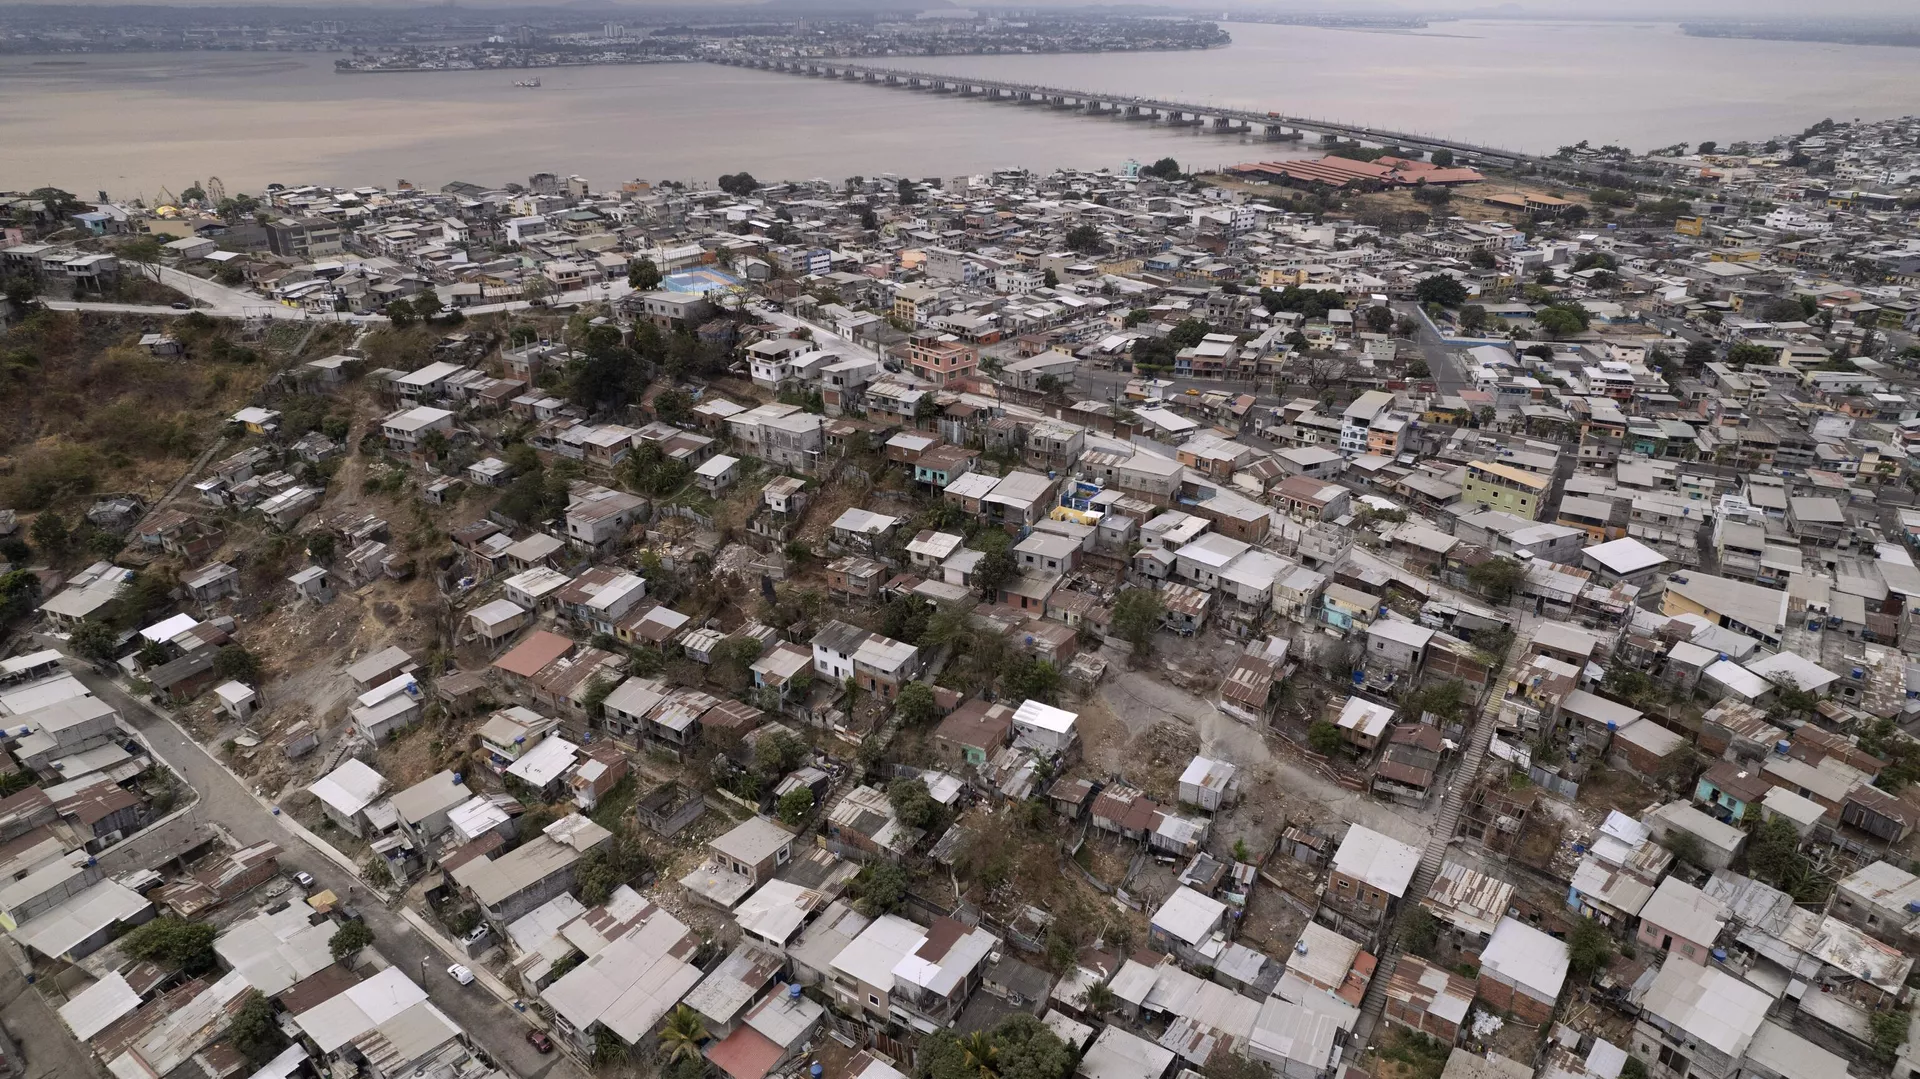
(85, 409)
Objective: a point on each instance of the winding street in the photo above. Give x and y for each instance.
(492, 1025)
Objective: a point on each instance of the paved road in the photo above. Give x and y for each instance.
(602, 293)
(259, 308)
(1444, 363)
(213, 298)
(493, 1026)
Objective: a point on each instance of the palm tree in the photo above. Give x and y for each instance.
(981, 1053)
(1100, 1000)
(682, 1034)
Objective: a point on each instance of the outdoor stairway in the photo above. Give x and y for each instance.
(1459, 785)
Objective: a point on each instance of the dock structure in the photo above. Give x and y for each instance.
(1273, 126)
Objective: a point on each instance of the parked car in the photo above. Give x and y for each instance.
(475, 935)
(304, 880)
(460, 974)
(539, 1040)
(181, 305)
(347, 913)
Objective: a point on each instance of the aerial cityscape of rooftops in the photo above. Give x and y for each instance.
(1388, 607)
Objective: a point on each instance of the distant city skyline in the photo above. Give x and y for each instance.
(1554, 9)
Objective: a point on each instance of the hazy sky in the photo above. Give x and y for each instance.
(1664, 10)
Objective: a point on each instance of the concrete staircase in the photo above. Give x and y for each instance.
(1465, 775)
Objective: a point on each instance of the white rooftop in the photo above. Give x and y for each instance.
(547, 761)
(1189, 915)
(1708, 1004)
(349, 788)
(1044, 716)
(1625, 556)
(1525, 956)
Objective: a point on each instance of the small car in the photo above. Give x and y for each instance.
(539, 1040)
(304, 880)
(475, 935)
(460, 974)
(181, 305)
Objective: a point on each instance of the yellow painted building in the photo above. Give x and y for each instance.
(1505, 488)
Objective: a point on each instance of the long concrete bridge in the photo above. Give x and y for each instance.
(1242, 122)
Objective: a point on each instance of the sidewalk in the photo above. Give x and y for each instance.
(481, 974)
(286, 822)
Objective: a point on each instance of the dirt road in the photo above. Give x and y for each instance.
(1140, 701)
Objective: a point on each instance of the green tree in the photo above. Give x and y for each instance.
(1473, 318)
(1441, 158)
(400, 313)
(608, 1047)
(1559, 321)
(682, 1034)
(1420, 931)
(254, 1032)
(643, 275)
(235, 663)
(1166, 169)
(906, 192)
(609, 866)
(1032, 679)
(51, 534)
(1085, 239)
(142, 249)
(1773, 856)
(1019, 1047)
(1588, 948)
(913, 804)
(980, 1054)
(1441, 289)
(916, 705)
(94, 640)
(1136, 615)
(19, 594)
(427, 305)
(738, 184)
(320, 546)
(1188, 332)
(347, 941)
(674, 407)
(61, 204)
(880, 887)
(1888, 1031)
(1745, 353)
(778, 753)
(999, 567)
(174, 943)
(1499, 578)
(1323, 738)
(794, 806)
